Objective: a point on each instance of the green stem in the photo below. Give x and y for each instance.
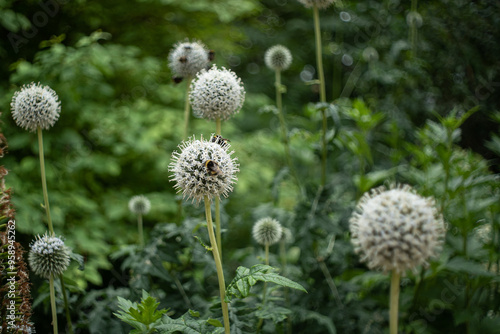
(322, 91)
(44, 180)
(218, 265)
(66, 305)
(218, 126)
(53, 304)
(140, 231)
(413, 29)
(186, 109)
(394, 302)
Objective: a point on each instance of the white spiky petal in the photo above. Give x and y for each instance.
(267, 231)
(396, 229)
(278, 57)
(188, 58)
(49, 256)
(216, 93)
(321, 4)
(191, 176)
(139, 205)
(35, 106)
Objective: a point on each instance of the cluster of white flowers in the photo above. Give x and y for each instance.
(203, 168)
(139, 205)
(321, 4)
(48, 255)
(188, 58)
(267, 231)
(396, 229)
(216, 93)
(278, 58)
(35, 106)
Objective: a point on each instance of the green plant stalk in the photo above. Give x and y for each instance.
(279, 105)
(218, 265)
(322, 91)
(187, 108)
(288, 325)
(218, 233)
(264, 288)
(65, 298)
(394, 303)
(413, 30)
(53, 304)
(44, 180)
(140, 230)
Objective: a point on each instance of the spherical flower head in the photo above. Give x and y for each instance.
(35, 106)
(396, 229)
(278, 58)
(203, 168)
(139, 205)
(287, 235)
(321, 4)
(48, 256)
(188, 58)
(216, 93)
(267, 231)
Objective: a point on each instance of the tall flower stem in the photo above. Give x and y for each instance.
(218, 265)
(413, 29)
(394, 302)
(53, 304)
(218, 131)
(140, 230)
(187, 108)
(44, 180)
(322, 91)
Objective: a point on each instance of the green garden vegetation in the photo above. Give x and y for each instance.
(244, 166)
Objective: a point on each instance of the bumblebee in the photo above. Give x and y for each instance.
(212, 168)
(211, 55)
(219, 140)
(177, 79)
(183, 59)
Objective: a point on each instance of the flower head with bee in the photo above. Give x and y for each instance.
(203, 168)
(187, 58)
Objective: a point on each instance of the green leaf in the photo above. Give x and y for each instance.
(190, 323)
(144, 316)
(459, 264)
(246, 278)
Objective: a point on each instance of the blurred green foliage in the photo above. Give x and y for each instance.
(398, 114)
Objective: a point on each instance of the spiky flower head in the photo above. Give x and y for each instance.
(287, 235)
(278, 58)
(188, 58)
(139, 205)
(48, 256)
(203, 168)
(216, 93)
(267, 231)
(35, 106)
(321, 4)
(396, 229)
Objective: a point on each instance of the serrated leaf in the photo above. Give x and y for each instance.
(246, 278)
(189, 323)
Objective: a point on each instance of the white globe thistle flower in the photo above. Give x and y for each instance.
(267, 231)
(139, 205)
(278, 57)
(287, 235)
(48, 255)
(188, 58)
(396, 229)
(216, 93)
(321, 4)
(203, 168)
(35, 106)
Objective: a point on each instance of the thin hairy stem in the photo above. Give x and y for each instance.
(140, 231)
(187, 108)
(66, 305)
(413, 30)
(394, 303)
(53, 304)
(218, 265)
(44, 180)
(322, 91)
